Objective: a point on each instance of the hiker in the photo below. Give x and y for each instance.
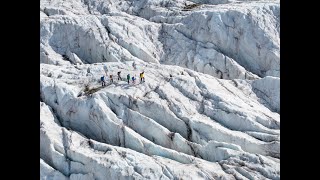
(142, 76)
(119, 76)
(170, 77)
(182, 73)
(105, 68)
(134, 65)
(128, 78)
(103, 81)
(111, 80)
(133, 79)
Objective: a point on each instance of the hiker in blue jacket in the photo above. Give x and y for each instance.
(103, 81)
(133, 79)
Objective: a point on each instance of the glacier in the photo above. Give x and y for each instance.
(209, 107)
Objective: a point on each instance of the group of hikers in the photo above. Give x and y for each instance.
(103, 78)
(133, 79)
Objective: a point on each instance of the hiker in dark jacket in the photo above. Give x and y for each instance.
(128, 78)
(119, 76)
(111, 79)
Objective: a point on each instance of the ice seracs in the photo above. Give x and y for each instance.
(209, 107)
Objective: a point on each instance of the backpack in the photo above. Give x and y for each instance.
(102, 78)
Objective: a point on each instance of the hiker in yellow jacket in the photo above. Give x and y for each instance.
(142, 77)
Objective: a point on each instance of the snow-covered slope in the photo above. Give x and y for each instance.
(216, 117)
